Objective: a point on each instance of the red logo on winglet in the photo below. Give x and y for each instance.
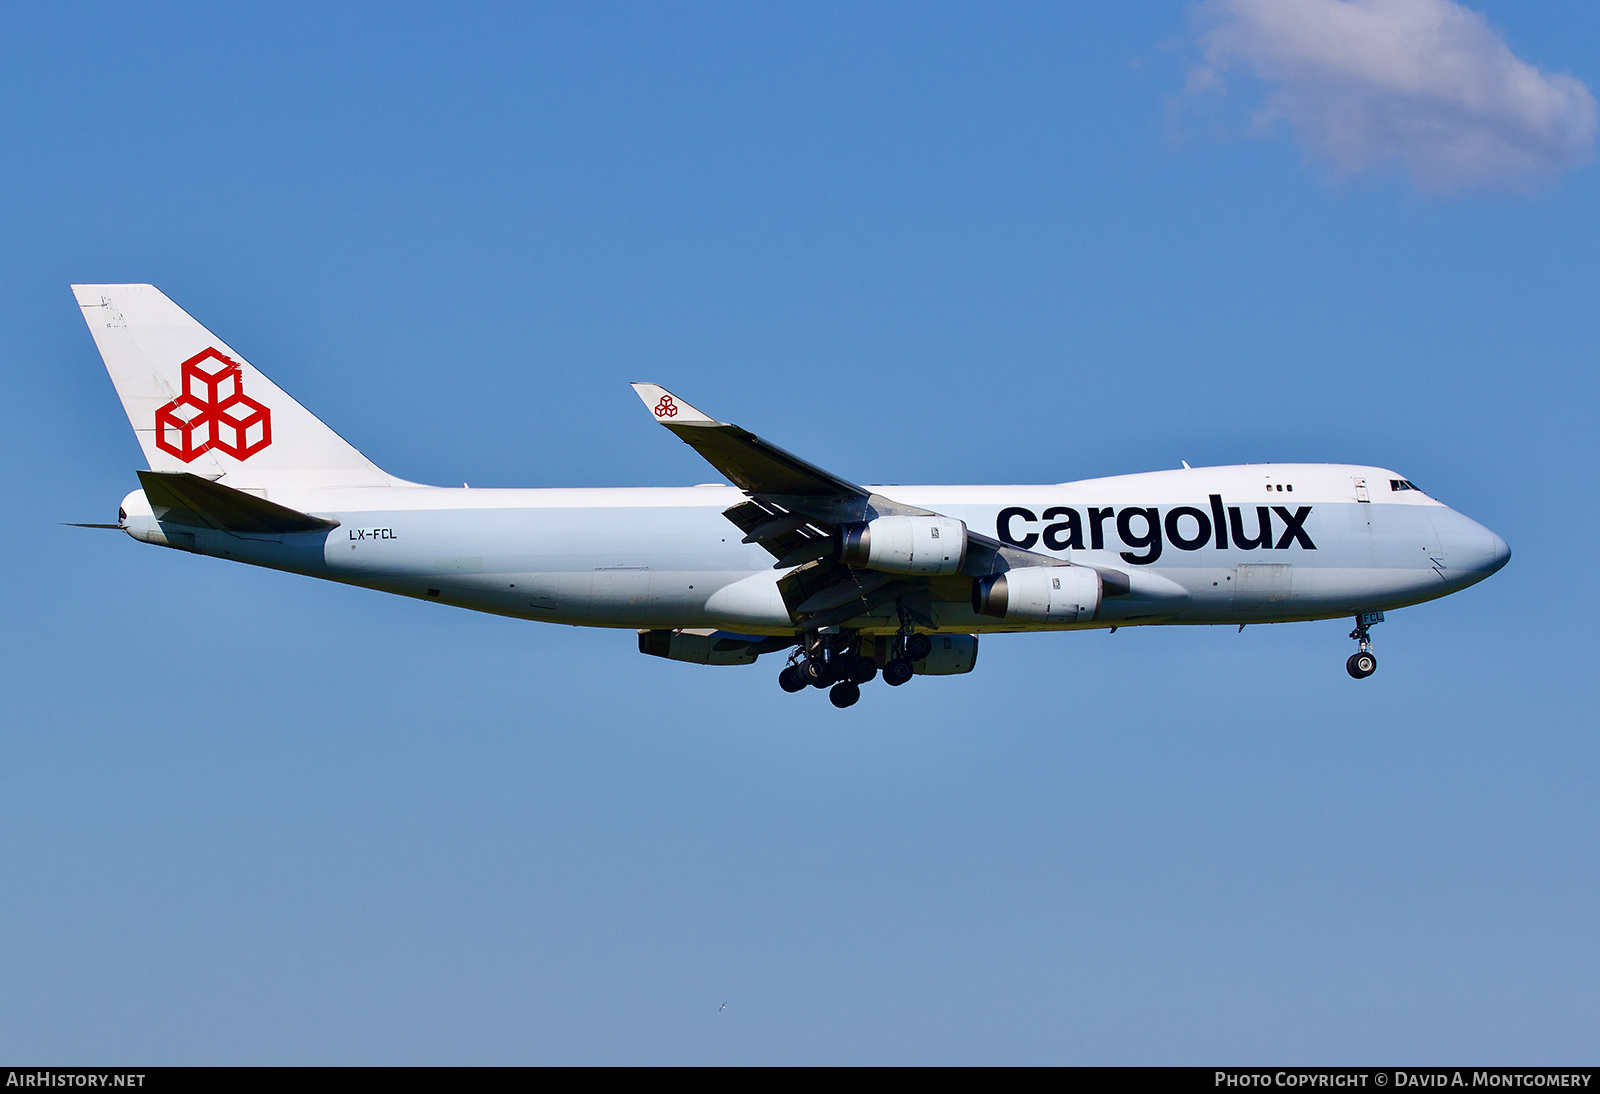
(666, 408)
(213, 412)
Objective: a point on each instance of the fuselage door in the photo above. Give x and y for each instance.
(1361, 491)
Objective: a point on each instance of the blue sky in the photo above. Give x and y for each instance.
(251, 818)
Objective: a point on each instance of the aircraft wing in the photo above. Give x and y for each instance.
(751, 464)
(795, 509)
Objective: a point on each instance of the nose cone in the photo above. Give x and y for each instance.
(1499, 554)
(1473, 551)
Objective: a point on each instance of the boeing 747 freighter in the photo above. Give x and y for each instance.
(853, 581)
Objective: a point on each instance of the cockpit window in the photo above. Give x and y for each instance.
(1402, 484)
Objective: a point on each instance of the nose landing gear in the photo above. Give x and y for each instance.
(1363, 663)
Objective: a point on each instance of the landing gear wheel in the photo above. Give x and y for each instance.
(897, 672)
(1363, 663)
(816, 674)
(864, 672)
(789, 680)
(918, 646)
(844, 695)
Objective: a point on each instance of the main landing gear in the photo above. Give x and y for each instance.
(842, 662)
(1363, 663)
(906, 648)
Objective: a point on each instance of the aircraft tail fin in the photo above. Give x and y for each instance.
(199, 407)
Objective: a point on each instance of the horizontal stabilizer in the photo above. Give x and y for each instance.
(225, 508)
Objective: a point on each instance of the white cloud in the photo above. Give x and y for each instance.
(1425, 85)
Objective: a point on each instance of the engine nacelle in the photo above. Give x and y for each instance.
(925, 546)
(1039, 594)
(952, 654)
(699, 647)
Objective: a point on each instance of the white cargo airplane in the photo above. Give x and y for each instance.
(852, 580)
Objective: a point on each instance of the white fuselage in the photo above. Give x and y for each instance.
(1337, 540)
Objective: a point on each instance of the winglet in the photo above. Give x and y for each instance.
(668, 408)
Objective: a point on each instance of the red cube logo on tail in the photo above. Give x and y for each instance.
(213, 412)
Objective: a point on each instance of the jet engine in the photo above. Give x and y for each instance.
(952, 654)
(1039, 594)
(924, 546)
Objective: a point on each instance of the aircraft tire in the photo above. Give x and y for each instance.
(789, 680)
(918, 646)
(844, 694)
(897, 672)
(1361, 665)
(865, 671)
(816, 674)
